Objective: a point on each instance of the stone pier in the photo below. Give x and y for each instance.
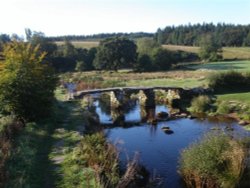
(147, 97)
(116, 99)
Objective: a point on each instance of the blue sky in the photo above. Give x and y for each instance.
(62, 17)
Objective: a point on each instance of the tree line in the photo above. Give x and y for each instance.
(143, 54)
(97, 37)
(190, 35)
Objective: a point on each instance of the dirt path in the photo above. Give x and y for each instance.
(66, 136)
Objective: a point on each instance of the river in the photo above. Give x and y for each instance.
(159, 152)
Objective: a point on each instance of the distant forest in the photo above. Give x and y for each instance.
(190, 35)
(97, 37)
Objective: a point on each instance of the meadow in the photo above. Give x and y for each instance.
(229, 53)
(81, 44)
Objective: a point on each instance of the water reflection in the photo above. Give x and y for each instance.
(158, 151)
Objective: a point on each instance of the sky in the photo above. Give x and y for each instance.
(84, 17)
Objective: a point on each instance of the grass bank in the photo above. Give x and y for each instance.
(28, 164)
(242, 66)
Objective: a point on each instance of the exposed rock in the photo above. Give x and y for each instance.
(243, 123)
(229, 128)
(152, 121)
(167, 130)
(215, 128)
(192, 117)
(162, 115)
(182, 115)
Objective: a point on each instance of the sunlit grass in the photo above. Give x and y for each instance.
(241, 97)
(224, 66)
(228, 52)
(185, 83)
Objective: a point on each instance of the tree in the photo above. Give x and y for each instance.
(146, 46)
(115, 53)
(26, 83)
(143, 64)
(163, 59)
(247, 40)
(68, 49)
(210, 50)
(3, 40)
(38, 38)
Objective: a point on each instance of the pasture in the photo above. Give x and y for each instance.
(228, 53)
(81, 44)
(223, 66)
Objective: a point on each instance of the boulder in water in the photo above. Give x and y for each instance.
(162, 115)
(167, 130)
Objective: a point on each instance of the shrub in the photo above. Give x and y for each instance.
(230, 81)
(26, 83)
(200, 104)
(224, 108)
(96, 153)
(215, 161)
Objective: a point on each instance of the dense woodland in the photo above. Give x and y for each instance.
(190, 35)
(97, 37)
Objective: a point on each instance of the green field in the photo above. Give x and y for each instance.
(229, 53)
(240, 97)
(184, 83)
(223, 66)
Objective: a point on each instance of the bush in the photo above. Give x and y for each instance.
(143, 64)
(229, 82)
(26, 83)
(215, 161)
(200, 104)
(163, 59)
(96, 153)
(224, 108)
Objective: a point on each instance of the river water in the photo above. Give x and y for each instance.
(159, 152)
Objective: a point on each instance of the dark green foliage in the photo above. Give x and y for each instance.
(247, 40)
(38, 38)
(26, 83)
(67, 57)
(230, 82)
(182, 56)
(163, 59)
(225, 34)
(143, 64)
(3, 40)
(145, 46)
(115, 53)
(101, 36)
(210, 50)
(214, 161)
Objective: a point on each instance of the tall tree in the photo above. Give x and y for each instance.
(115, 53)
(162, 59)
(210, 50)
(146, 46)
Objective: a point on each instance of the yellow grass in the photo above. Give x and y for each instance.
(191, 49)
(81, 44)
